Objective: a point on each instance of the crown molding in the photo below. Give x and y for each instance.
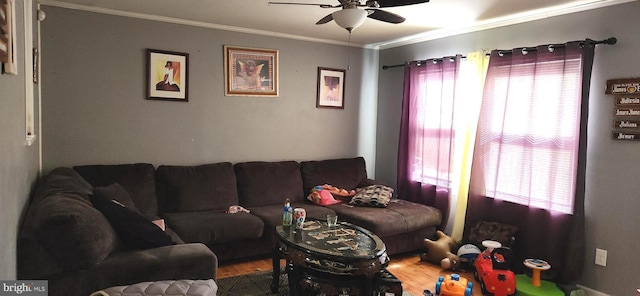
(150, 17)
(417, 38)
(513, 19)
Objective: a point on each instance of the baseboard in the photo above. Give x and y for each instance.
(590, 292)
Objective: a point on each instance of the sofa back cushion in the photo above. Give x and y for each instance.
(73, 232)
(196, 188)
(268, 183)
(347, 173)
(138, 179)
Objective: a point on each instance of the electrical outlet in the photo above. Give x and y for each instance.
(601, 257)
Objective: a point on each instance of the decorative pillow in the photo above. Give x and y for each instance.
(482, 230)
(373, 196)
(135, 231)
(117, 192)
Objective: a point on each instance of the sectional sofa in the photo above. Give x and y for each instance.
(67, 241)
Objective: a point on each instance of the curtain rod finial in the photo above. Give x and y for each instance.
(611, 40)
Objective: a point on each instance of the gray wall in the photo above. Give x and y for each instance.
(612, 196)
(95, 111)
(18, 162)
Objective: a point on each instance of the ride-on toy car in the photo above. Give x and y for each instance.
(453, 285)
(492, 270)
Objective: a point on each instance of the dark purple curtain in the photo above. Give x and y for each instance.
(426, 132)
(555, 237)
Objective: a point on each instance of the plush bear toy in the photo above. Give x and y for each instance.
(439, 251)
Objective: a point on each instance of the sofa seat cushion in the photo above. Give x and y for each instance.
(196, 188)
(272, 215)
(211, 227)
(400, 216)
(268, 183)
(74, 233)
(138, 179)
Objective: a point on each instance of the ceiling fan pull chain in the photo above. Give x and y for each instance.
(349, 53)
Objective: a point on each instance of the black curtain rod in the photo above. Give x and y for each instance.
(608, 41)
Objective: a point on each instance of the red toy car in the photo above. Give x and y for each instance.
(453, 285)
(492, 271)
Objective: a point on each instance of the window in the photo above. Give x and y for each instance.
(529, 132)
(432, 126)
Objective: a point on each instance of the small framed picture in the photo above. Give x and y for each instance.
(250, 72)
(330, 88)
(4, 49)
(167, 75)
(10, 65)
(4, 32)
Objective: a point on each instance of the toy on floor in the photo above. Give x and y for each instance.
(468, 254)
(492, 270)
(536, 266)
(453, 285)
(439, 251)
(534, 286)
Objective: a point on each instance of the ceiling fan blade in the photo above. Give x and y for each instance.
(394, 3)
(312, 4)
(385, 16)
(325, 19)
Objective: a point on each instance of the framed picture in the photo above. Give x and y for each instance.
(167, 75)
(4, 32)
(330, 88)
(250, 72)
(10, 65)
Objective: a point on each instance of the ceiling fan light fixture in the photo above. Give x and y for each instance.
(350, 18)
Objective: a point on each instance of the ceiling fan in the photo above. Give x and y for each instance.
(351, 16)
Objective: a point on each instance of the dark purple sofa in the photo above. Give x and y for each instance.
(192, 200)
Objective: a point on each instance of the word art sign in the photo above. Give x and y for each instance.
(626, 124)
(623, 86)
(634, 101)
(625, 136)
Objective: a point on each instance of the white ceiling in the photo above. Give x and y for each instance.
(435, 19)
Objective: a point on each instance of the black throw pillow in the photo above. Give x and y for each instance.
(135, 231)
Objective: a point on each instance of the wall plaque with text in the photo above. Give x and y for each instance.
(634, 101)
(626, 124)
(621, 112)
(623, 86)
(624, 136)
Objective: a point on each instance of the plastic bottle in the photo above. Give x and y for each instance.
(287, 216)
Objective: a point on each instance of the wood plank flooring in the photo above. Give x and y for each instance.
(415, 275)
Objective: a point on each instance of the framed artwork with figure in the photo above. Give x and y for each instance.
(330, 88)
(4, 32)
(250, 72)
(167, 75)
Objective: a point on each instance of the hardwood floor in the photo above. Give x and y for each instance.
(415, 275)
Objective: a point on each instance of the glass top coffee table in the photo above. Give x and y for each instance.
(344, 257)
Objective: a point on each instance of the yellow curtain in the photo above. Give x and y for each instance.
(474, 73)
